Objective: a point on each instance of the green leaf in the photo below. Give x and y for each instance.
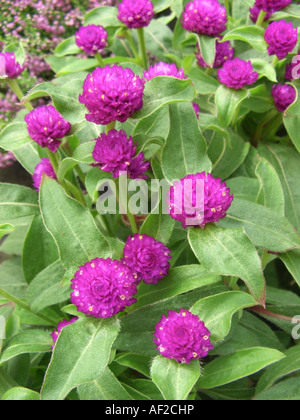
(253, 35)
(285, 367)
(159, 39)
(28, 156)
(291, 119)
(103, 15)
(72, 227)
(204, 84)
(39, 249)
(67, 47)
(217, 311)
(30, 341)
(20, 394)
(227, 156)
(14, 136)
(291, 260)
(11, 278)
(106, 387)
(81, 354)
(286, 163)
(16, 202)
(156, 125)
(265, 227)
(237, 256)
(207, 46)
(47, 288)
(271, 193)
(179, 280)
(135, 361)
(185, 149)
(174, 380)
(227, 369)
(227, 102)
(161, 5)
(163, 90)
(264, 69)
(6, 229)
(288, 390)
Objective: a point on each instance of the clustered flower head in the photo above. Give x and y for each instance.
(237, 73)
(136, 13)
(164, 69)
(112, 94)
(148, 258)
(182, 336)
(114, 152)
(103, 287)
(224, 52)
(46, 126)
(60, 326)
(205, 17)
(284, 96)
(9, 68)
(44, 167)
(272, 5)
(92, 39)
(199, 199)
(281, 38)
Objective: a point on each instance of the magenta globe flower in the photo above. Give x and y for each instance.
(9, 68)
(164, 69)
(136, 13)
(224, 52)
(255, 12)
(182, 336)
(237, 73)
(281, 38)
(112, 94)
(60, 326)
(272, 5)
(92, 39)
(114, 152)
(284, 96)
(46, 126)
(103, 288)
(205, 17)
(148, 258)
(44, 167)
(199, 199)
(196, 109)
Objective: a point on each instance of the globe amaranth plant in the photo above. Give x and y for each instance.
(156, 253)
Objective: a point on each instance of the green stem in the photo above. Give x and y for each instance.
(14, 85)
(227, 5)
(110, 126)
(236, 115)
(25, 306)
(261, 18)
(100, 60)
(142, 44)
(53, 157)
(275, 61)
(132, 222)
(132, 46)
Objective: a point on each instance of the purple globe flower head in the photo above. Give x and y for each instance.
(136, 13)
(182, 337)
(237, 73)
(114, 152)
(272, 5)
(92, 39)
(255, 12)
(282, 38)
(60, 326)
(9, 68)
(224, 52)
(199, 199)
(148, 258)
(44, 167)
(46, 126)
(205, 17)
(196, 109)
(284, 96)
(138, 167)
(112, 94)
(103, 287)
(164, 69)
